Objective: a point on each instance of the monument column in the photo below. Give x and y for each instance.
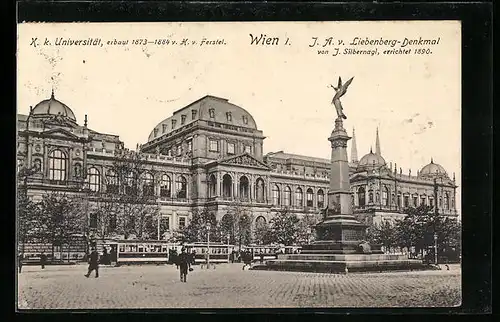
(339, 194)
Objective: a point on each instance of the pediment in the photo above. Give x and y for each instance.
(358, 176)
(60, 133)
(244, 160)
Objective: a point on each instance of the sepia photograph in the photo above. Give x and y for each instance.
(300, 164)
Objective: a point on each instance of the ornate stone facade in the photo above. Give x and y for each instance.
(210, 153)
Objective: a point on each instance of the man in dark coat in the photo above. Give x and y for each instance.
(43, 260)
(93, 263)
(184, 262)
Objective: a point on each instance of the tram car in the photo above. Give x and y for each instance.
(143, 252)
(219, 253)
(269, 251)
(291, 249)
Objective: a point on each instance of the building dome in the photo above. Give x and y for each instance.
(432, 169)
(52, 106)
(208, 108)
(371, 160)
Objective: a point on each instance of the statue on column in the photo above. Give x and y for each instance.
(340, 90)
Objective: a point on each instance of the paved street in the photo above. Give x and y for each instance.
(65, 287)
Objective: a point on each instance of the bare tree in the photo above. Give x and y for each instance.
(129, 202)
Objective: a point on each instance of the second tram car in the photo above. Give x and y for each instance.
(269, 251)
(141, 252)
(218, 252)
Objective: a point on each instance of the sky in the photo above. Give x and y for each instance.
(414, 99)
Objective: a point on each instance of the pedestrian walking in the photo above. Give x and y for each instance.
(184, 264)
(20, 262)
(43, 260)
(261, 258)
(105, 257)
(93, 263)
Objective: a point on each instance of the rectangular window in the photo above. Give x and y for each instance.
(415, 201)
(164, 128)
(422, 201)
(214, 146)
(173, 123)
(183, 119)
(230, 148)
(182, 221)
(193, 114)
(248, 149)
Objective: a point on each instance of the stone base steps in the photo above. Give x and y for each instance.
(332, 266)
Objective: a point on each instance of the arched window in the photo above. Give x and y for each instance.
(260, 190)
(165, 186)
(260, 221)
(431, 201)
(321, 198)
(130, 183)
(227, 186)
(361, 197)
(287, 197)
(370, 196)
(181, 187)
(212, 186)
(406, 201)
(385, 196)
(400, 202)
(111, 182)
(57, 165)
(377, 197)
(299, 197)
(446, 201)
(276, 195)
(309, 200)
(94, 179)
(148, 188)
(244, 188)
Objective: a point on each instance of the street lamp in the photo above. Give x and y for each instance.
(228, 253)
(208, 245)
(435, 249)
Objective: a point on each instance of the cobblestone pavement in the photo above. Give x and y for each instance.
(228, 286)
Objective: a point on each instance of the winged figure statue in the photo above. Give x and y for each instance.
(340, 90)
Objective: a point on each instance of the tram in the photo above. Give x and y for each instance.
(291, 249)
(142, 252)
(219, 252)
(269, 251)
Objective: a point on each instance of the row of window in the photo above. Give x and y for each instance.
(214, 146)
(299, 197)
(229, 118)
(112, 222)
(177, 150)
(403, 201)
(131, 183)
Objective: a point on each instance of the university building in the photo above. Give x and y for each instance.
(210, 154)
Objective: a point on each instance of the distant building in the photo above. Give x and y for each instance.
(210, 154)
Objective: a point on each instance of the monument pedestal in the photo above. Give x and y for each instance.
(340, 244)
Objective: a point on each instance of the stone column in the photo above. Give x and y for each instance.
(339, 191)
